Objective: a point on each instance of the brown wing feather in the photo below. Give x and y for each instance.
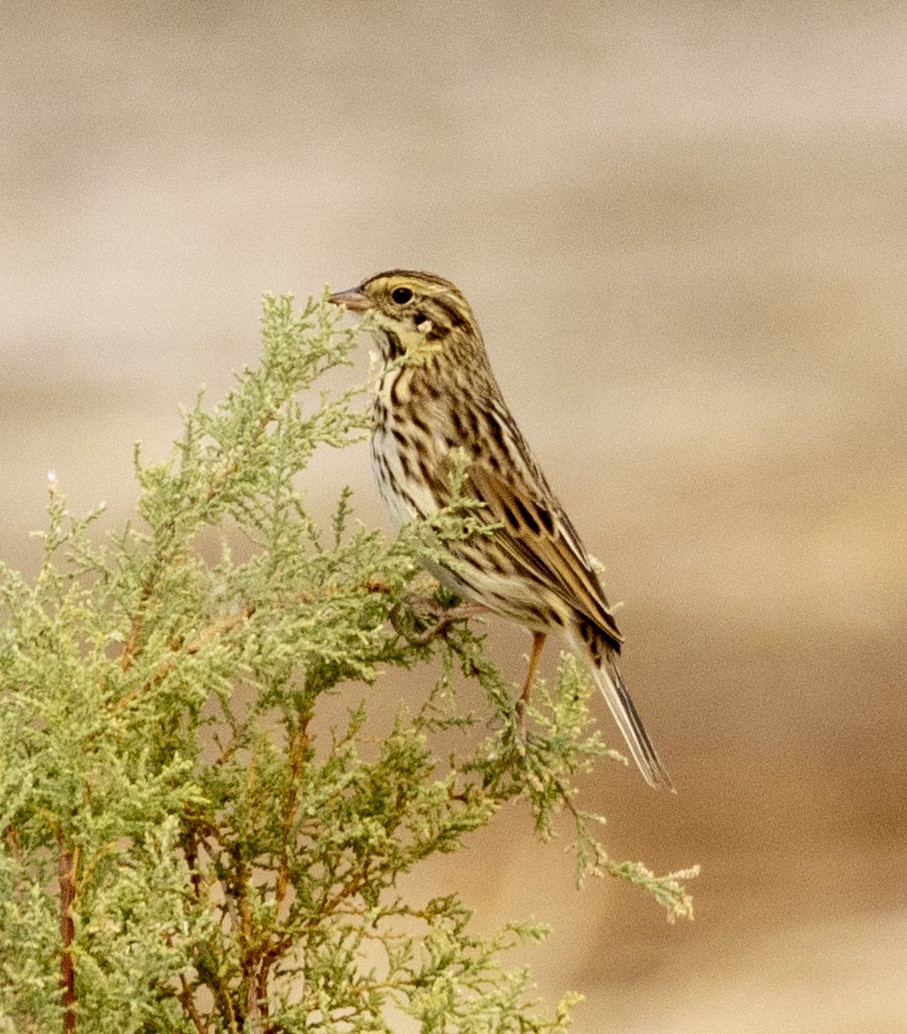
(541, 540)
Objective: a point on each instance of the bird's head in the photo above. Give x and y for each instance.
(411, 311)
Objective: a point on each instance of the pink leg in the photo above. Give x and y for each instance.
(538, 641)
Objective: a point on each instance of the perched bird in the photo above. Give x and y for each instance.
(436, 394)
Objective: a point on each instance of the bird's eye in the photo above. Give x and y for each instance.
(402, 295)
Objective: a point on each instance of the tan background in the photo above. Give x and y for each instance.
(683, 230)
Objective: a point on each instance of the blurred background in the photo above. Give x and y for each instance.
(682, 228)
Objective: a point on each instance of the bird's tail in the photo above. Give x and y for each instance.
(627, 717)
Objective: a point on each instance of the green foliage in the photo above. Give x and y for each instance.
(183, 846)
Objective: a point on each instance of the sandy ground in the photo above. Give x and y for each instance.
(682, 228)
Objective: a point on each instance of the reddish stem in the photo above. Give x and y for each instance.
(67, 934)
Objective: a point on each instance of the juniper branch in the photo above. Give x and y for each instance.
(185, 847)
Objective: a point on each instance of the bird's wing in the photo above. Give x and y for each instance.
(540, 539)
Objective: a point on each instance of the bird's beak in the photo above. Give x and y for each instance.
(353, 299)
